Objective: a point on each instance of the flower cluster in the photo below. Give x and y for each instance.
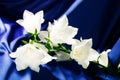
(45, 46)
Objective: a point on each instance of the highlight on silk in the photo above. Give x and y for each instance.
(51, 44)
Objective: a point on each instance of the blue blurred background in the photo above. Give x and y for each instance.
(97, 19)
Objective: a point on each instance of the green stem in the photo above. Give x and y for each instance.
(35, 37)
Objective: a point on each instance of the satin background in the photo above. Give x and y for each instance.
(97, 19)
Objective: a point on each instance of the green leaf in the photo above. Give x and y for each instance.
(25, 42)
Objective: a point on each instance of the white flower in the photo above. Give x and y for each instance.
(93, 55)
(29, 56)
(118, 65)
(83, 53)
(62, 56)
(103, 58)
(60, 32)
(31, 21)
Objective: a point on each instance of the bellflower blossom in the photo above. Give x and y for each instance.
(81, 52)
(29, 56)
(60, 32)
(103, 58)
(31, 21)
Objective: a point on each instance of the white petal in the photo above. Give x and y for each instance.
(63, 21)
(47, 58)
(38, 20)
(80, 53)
(87, 42)
(73, 31)
(103, 59)
(36, 68)
(20, 22)
(13, 55)
(39, 15)
(55, 21)
(62, 56)
(69, 33)
(93, 55)
(75, 43)
(70, 42)
(27, 14)
(84, 64)
(43, 35)
(49, 27)
(20, 65)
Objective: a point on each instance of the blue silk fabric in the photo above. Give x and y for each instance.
(97, 19)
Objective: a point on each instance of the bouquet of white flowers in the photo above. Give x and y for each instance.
(45, 46)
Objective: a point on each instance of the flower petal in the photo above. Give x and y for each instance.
(43, 35)
(93, 55)
(20, 22)
(62, 56)
(27, 14)
(84, 64)
(63, 21)
(13, 55)
(103, 59)
(39, 15)
(20, 65)
(35, 68)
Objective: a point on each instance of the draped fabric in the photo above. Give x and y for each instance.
(97, 19)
